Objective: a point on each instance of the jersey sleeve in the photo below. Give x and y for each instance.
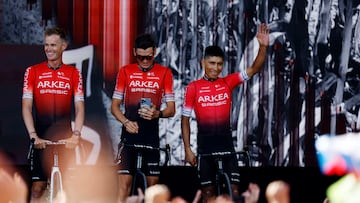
(189, 100)
(168, 87)
(28, 86)
(78, 86)
(235, 79)
(120, 85)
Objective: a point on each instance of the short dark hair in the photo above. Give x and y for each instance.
(56, 31)
(213, 50)
(144, 41)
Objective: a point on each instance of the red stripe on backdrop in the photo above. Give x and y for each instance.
(95, 32)
(64, 14)
(112, 27)
(80, 22)
(128, 24)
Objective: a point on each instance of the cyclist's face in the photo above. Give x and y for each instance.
(144, 57)
(213, 66)
(54, 46)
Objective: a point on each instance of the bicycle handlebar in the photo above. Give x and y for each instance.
(32, 143)
(56, 143)
(220, 154)
(52, 143)
(139, 146)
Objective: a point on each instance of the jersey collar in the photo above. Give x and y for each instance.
(145, 69)
(209, 79)
(54, 68)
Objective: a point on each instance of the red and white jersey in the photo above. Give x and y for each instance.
(52, 92)
(132, 84)
(211, 102)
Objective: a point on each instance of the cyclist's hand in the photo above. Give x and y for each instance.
(251, 195)
(40, 143)
(190, 157)
(147, 112)
(132, 127)
(136, 198)
(197, 197)
(71, 142)
(263, 35)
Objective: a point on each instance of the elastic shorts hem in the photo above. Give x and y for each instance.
(124, 172)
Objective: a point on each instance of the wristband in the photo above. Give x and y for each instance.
(160, 114)
(77, 133)
(33, 132)
(126, 121)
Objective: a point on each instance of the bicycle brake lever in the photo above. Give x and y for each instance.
(167, 147)
(32, 142)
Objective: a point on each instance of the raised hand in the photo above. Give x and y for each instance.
(263, 34)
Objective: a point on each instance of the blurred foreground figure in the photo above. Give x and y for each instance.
(345, 190)
(13, 188)
(278, 192)
(338, 155)
(158, 193)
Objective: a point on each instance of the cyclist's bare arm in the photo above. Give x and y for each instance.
(185, 131)
(131, 126)
(27, 105)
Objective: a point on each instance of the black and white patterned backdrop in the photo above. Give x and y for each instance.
(309, 85)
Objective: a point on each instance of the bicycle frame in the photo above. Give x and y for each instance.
(55, 170)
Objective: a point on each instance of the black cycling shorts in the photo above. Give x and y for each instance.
(128, 159)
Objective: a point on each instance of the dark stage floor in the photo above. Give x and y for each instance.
(307, 184)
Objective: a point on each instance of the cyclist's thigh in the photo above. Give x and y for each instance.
(206, 171)
(37, 167)
(231, 167)
(151, 163)
(127, 161)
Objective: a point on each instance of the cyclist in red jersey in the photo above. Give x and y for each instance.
(210, 98)
(51, 87)
(142, 82)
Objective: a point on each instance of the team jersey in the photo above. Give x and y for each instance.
(53, 91)
(132, 84)
(211, 102)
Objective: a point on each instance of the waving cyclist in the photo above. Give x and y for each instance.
(210, 98)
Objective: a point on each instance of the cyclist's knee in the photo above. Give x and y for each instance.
(152, 180)
(37, 190)
(208, 193)
(123, 193)
(124, 185)
(235, 190)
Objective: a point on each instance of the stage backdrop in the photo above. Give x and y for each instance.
(309, 85)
